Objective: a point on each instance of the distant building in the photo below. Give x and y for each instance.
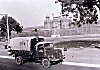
(48, 23)
(60, 26)
(56, 24)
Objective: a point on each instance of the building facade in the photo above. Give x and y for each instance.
(56, 24)
(60, 26)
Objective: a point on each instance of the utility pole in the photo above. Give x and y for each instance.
(8, 38)
(8, 30)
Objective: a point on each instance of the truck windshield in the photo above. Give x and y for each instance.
(49, 45)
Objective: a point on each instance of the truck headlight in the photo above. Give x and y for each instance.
(9, 53)
(52, 56)
(9, 49)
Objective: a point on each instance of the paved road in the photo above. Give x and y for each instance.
(9, 64)
(76, 59)
(83, 55)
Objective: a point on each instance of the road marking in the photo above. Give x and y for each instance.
(82, 64)
(7, 57)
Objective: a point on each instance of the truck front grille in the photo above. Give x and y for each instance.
(58, 54)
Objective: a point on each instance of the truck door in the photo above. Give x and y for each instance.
(40, 50)
(33, 43)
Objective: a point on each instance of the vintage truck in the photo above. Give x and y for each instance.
(31, 49)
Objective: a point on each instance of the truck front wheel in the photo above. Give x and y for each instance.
(46, 63)
(19, 60)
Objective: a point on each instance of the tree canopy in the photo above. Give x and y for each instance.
(82, 11)
(13, 26)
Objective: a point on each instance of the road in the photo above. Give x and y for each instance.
(83, 55)
(76, 59)
(9, 64)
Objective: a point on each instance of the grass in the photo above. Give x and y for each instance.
(75, 44)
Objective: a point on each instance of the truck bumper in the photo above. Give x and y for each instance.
(56, 60)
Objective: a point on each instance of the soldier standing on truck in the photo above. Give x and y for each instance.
(36, 34)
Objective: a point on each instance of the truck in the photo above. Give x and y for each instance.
(31, 49)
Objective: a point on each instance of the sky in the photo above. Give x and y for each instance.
(30, 13)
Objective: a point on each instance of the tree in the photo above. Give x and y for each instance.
(13, 26)
(83, 11)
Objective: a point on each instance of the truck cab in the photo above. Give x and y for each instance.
(47, 54)
(47, 50)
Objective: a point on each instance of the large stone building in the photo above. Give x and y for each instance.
(48, 23)
(60, 26)
(56, 24)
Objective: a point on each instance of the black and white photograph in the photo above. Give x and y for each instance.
(49, 34)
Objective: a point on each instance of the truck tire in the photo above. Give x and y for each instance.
(19, 60)
(46, 63)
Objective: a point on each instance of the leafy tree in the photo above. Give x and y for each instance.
(83, 11)
(13, 26)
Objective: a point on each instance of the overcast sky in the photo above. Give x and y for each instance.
(30, 13)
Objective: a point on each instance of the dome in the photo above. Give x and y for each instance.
(47, 17)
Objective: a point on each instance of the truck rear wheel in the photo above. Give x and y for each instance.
(46, 63)
(19, 60)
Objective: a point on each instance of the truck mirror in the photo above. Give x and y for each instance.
(5, 46)
(9, 47)
(65, 49)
